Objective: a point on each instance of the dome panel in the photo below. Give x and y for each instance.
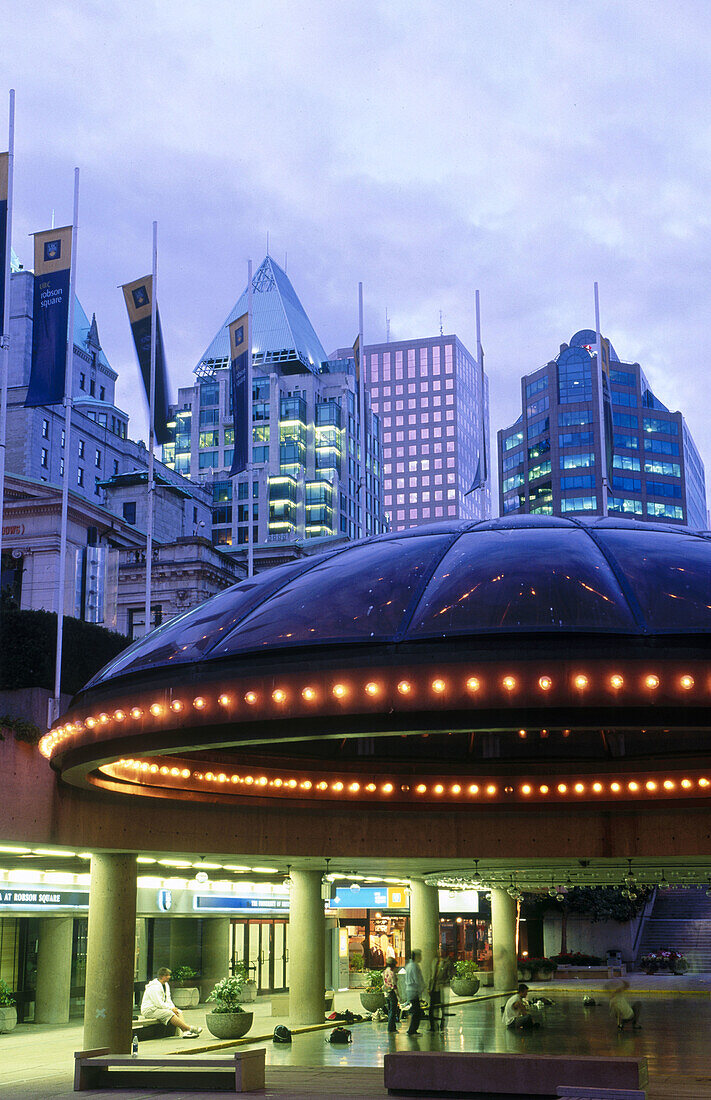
(537, 579)
(669, 573)
(361, 595)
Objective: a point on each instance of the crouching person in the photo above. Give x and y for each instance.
(516, 1011)
(157, 1004)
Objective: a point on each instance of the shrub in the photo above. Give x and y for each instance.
(374, 983)
(547, 965)
(466, 969)
(184, 973)
(577, 958)
(355, 963)
(6, 997)
(226, 995)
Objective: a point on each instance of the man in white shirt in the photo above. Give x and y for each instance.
(414, 988)
(157, 1004)
(516, 1014)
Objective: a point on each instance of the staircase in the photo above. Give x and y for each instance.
(680, 921)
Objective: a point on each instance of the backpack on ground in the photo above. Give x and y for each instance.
(340, 1035)
(281, 1034)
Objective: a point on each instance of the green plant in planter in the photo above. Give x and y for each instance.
(184, 973)
(355, 963)
(466, 969)
(6, 998)
(543, 966)
(226, 995)
(374, 983)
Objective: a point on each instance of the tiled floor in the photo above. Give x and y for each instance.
(674, 1039)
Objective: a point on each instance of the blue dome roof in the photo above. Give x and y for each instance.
(523, 574)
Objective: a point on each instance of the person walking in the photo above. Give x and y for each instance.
(414, 988)
(157, 1004)
(438, 984)
(390, 987)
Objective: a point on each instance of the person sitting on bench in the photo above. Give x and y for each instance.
(516, 1014)
(157, 1004)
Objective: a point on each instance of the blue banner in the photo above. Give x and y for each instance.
(141, 331)
(239, 343)
(50, 317)
(3, 254)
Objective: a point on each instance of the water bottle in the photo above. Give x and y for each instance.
(134, 1047)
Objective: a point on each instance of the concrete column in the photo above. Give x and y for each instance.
(307, 949)
(54, 970)
(215, 950)
(424, 923)
(503, 929)
(110, 955)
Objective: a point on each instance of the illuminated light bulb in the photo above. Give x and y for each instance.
(175, 771)
(156, 709)
(456, 789)
(509, 683)
(372, 689)
(439, 789)
(525, 789)
(615, 787)
(262, 781)
(250, 698)
(224, 700)
(277, 782)
(292, 783)
(209, 776)
(322, 786)
(136, 712)
(544, 734)
(339, 690)
(307, 784)
(473, 789)
(545, 683)
(566, 733)
(508, 790)
(420, 788)
(163, 770)
(632, 786)
(176, 705)
(438, 686)
(90, 723)
(153, 769)
(651, 785)
(185, 773)
(473, 684)
(308, 694)
(145, 768)
(249, 780)
(103, 718)
(580, 681)
(491, 789)
(278, 695)
(387, 788)
(337, 786)
(198, 702)
(686, 783)
(562, 788)
(370, 787)
(522, 734)
(222, 778)
(651, 681)
(579, 788)
(597, 787)
(669, 785)
(354, 787)
(687, 682)
(119, 715)
(703, 782)
(617, 681)
(404, 687)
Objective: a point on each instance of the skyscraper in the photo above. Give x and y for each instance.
(305, 429)
(433, 400)
(550, 459)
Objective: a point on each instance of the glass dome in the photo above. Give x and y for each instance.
(521, 574)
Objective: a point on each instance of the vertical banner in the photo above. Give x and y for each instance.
(4, 243)
(239, 343)
(356, 356)
(50, 315)
(137, 296)
(607, 406)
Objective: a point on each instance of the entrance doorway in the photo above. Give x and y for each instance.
(261, 945)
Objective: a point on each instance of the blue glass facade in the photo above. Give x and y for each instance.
(550, 460)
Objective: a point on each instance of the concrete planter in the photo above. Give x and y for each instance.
(249, 992)
(465, 987)
(8, 1018)
(372, 1001)
(187, 996)
(228, 1025)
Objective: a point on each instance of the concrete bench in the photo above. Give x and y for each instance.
(152, 1029)
(98, 1069)
(601, 1094)
(525, 1075)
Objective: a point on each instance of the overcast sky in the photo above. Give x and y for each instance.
(427, 149)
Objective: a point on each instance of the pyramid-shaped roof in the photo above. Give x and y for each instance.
(281, 331)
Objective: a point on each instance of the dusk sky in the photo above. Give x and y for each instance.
(428, 149)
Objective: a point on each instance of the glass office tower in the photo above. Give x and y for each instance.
(550, 458)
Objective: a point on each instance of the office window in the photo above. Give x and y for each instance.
(656, 424)
(45, 429)
(663, 489)
(583, 481)
(625, 462)
(102, 393)
(578, 504)
(97, 460)
(512, 441)
(570, 419)
(625, 420)
(631, 442)
(627, 484)
(629, 399)
(664, 511)
(92, 388)
(569, 462)
(63, 436)
(661, 446)
(116, 466)
(82, 381)
(625, 505)
(129, 511)
(533, 388)
(81, 448)
(623, 378)
(80, 476)
(576, 439)
(658, 466)
(44, 458)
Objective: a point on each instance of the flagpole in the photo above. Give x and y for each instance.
(5, 330)
(604, 487)
(68, 390)
(250, 502)
(480, 362)
(361, 407)
(151, 430)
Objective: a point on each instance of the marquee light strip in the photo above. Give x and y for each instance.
(329, 693)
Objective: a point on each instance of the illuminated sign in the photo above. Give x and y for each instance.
(255, 904)
(379, 897)
(41, 898)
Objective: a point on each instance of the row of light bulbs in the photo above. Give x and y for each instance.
(339, 690)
